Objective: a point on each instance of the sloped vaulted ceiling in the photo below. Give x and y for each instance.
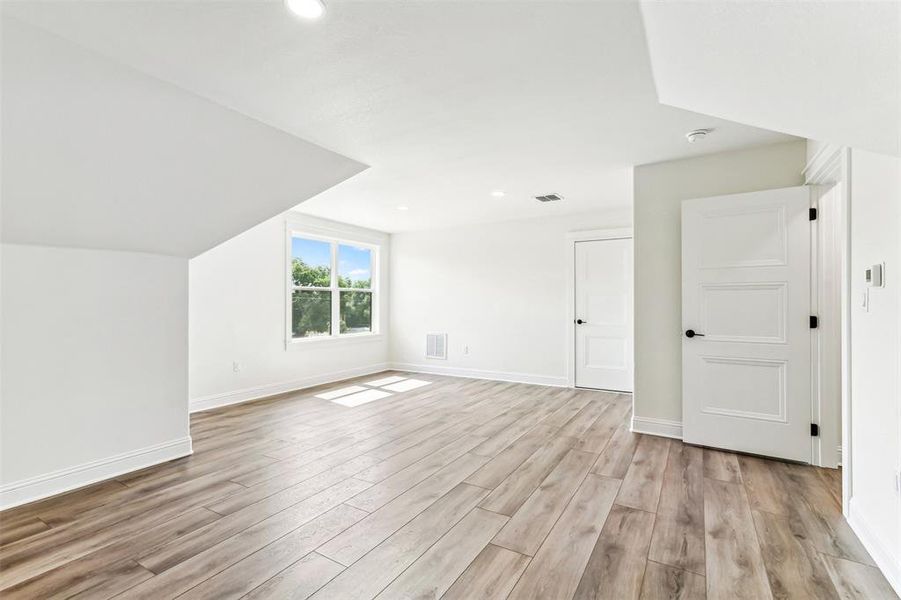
(98, 155)
(446, 100)
(823, 70)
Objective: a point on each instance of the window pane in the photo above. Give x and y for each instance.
(311, 313)
(356, 312)
(311, 262)
(354, 267)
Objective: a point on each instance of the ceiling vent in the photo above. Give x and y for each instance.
(549, 198)
(436, 345)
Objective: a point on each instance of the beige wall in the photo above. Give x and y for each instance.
(659, 191)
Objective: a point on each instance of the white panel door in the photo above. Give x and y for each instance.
(603, 309)
(746, 323)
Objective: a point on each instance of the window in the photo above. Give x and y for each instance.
(332, 287)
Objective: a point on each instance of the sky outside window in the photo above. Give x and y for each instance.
(314, 253)
(311, 262)
(355, 266)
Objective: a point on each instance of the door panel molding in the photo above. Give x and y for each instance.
(781, 416)
(718, 236)
(709, 328)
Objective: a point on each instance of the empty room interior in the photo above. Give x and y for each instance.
(457, 299)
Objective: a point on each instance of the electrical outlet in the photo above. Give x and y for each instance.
(236, 367)
(465, 349)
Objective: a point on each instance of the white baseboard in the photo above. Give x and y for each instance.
(547, 380)
(238, 396)
(263, 391)
(660, 427)
(866, 532)
(64, 480)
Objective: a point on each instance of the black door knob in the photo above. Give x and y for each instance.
(690, 333)
(580, 321)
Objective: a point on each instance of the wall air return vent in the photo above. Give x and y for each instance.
(436, 345)
(549, 198)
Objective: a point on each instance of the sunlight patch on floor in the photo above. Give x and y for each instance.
(406, 385)
(352, 389)
(361, 398)
(385, 381)
(355, 395)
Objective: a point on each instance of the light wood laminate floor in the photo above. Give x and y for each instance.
(460, 489)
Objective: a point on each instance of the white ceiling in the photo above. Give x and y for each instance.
(822, 70)
(446, 101)
(98, 155)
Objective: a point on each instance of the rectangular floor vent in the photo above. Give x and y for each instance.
(436, 345)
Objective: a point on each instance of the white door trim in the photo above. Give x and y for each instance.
(826, 339)
(831, 165)
(572, 237)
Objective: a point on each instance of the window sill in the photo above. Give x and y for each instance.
(319, 341)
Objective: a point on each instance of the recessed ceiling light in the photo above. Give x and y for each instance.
(697, 135)
(306, 9)
(403, 208)
(498, 194)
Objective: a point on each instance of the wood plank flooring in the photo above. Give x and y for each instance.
(458, 489)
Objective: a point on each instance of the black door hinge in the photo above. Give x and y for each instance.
(812, 214)
(814, 322)
(814, 430)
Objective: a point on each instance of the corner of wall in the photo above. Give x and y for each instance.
(867, 532)
(78, 476)
(659, 427)
(263, 391)
(658, 191)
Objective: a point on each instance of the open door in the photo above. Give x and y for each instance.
(746, 354)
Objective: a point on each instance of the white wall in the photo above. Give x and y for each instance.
(237, 315)
(498, 289)
(876, 358)
(837, 81)
(659, 191)
(93, 374)
(99, 155)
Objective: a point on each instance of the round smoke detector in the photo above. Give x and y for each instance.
(697, 135)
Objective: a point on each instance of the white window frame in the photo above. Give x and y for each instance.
(334, 238)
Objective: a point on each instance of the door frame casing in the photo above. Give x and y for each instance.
(831, 165)
(572, 237)
(826, 341)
